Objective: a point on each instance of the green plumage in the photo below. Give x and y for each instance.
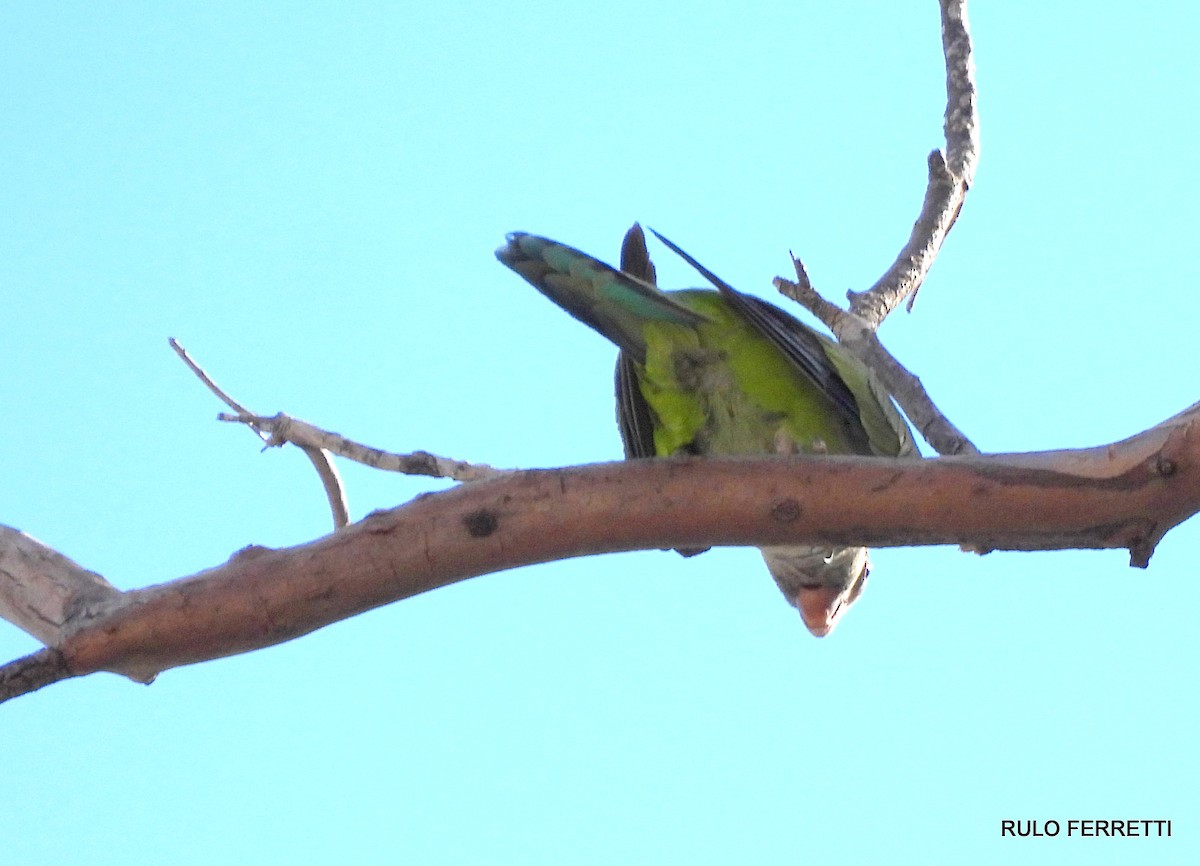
(720, 387)
(705, 371)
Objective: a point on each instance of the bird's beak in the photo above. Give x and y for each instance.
(821, 584)
(820, 607)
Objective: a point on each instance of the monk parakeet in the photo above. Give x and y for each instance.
(719, 372)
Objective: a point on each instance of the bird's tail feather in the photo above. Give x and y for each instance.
(616, 304)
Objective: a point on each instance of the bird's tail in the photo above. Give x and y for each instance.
(616, 304)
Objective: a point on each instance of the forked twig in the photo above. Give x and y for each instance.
(282, 429)
(335, 491)
(209, 383)
(319, 446)
(950, 177)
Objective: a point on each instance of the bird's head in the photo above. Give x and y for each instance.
(821, 583)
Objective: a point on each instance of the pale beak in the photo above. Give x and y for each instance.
(820, 607)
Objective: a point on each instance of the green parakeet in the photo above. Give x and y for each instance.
(719, 372)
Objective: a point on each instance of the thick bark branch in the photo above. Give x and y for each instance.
(1125, 495)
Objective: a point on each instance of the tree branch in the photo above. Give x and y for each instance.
(950, 176)
(34, 671)
(283, 429)
(944, 196)
(962, 109)
(43, 592)
(1128, 494)
(317, 444)
(335, 491)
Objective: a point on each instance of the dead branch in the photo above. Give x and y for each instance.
(1125, 495)
(944, 195)
(43, 592)
(335, 491)
(317, 444)
(950, 176)
(283, 429)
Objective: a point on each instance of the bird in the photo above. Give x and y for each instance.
(713, 371)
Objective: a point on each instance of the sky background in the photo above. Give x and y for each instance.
(308, 197)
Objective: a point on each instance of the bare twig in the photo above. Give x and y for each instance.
(805, 294)
(943, 200)
(210, 384)
(335, 491)
(936, 428)
(962, 110)
(283, 429)
(950, 176)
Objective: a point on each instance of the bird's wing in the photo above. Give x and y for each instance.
(807, 351)
(886, 428)
(633, 412)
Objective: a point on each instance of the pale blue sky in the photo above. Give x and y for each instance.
(308, 197)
